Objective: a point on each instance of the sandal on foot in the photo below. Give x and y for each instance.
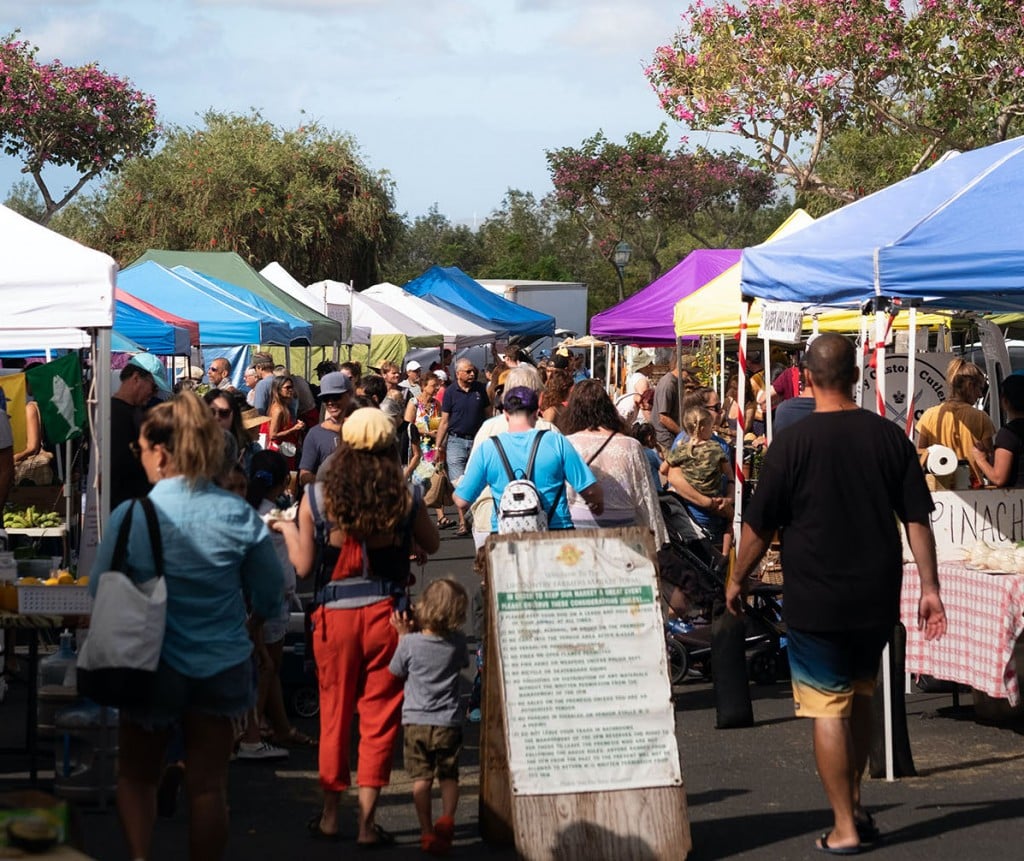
(445, 523)
(867, 831)
(822, 846)
(384, 838)
(294, 738)
(318, 833)
(462, 532)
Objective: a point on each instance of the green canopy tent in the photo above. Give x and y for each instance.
(230, 267)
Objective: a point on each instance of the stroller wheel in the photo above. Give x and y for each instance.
(764, 667)
(678, 661)
(305, 702)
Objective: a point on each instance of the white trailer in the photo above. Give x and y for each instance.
(566, 301)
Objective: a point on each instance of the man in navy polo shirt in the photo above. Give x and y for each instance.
(463, 410)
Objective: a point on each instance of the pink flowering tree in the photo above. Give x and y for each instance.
(57, 115)
(641, 193)
(788, 75)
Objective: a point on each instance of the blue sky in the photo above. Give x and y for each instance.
(457, 99)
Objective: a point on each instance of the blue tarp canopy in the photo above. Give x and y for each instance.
(451, 288)
(949, 236)
(149, 332)
(220, 322)
(248, 301)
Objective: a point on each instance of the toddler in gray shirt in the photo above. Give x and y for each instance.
(430, 660)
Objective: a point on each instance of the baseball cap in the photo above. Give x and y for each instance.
(334, 383)
(368, 429)
(520, 399)
(441, 375)
(154, 367)
(262, 360)
(413, 366)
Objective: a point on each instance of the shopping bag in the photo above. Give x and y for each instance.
(439, 494)
(117, 664)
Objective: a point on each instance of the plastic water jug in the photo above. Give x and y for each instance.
(85, 753)
(58, 684)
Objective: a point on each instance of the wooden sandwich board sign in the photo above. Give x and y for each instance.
(579, 753)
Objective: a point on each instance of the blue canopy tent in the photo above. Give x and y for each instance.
(148, 332)
(301, 331)
(220, 322)
(451, 288)
(949, 236)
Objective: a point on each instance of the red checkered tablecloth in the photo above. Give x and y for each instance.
(984, 616)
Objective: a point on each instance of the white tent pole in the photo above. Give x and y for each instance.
(101, 373)
(861, 364)
(721, 369)
(767, 360)
(911, 370)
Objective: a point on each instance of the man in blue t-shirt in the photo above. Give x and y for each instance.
(557, 463)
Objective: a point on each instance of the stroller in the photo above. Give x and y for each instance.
(298, 672)
(692, 575)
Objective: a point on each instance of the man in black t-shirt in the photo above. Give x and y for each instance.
(834, 485)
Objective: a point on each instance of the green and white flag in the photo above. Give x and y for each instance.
(57, 388)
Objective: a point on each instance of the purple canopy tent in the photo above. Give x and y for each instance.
(645, 318)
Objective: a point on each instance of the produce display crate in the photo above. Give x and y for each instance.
(54, 600)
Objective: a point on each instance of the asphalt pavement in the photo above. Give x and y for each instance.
(752, 793)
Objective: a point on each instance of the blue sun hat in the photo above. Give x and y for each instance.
(154, 367)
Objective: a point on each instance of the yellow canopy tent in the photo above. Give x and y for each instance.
(714, 308)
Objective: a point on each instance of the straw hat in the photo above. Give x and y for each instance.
(251, 421)
(368, 429)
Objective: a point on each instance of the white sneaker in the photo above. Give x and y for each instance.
(260, 750)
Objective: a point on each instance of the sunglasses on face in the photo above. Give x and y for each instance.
(221, 413)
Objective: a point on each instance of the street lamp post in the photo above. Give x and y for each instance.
(623, 251)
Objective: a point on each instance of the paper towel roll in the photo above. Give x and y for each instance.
(941, 460)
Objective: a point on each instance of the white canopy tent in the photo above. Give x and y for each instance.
(281, 278)
(54, 293)
(458, 332)
(373, 313)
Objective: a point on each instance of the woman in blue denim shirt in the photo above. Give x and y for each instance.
(217, 551)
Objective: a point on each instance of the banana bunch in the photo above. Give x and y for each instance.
(31, 518)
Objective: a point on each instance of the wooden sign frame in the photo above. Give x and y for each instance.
(644, 823)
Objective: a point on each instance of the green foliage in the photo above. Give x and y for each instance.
(640, 193)
(791, 75)
(860, 163)
(431, 240)
(24, 198)
(516, 240)
(301, 197)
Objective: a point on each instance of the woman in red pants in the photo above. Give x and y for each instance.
(377, 525)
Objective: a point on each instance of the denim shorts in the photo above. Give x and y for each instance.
(230, 694)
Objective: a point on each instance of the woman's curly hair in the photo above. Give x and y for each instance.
(365, 492)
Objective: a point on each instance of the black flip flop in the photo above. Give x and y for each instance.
(317, 833)
(384, 839)
(822, 846)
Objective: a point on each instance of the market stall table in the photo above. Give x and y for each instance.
(33, 624)
(985, 616)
